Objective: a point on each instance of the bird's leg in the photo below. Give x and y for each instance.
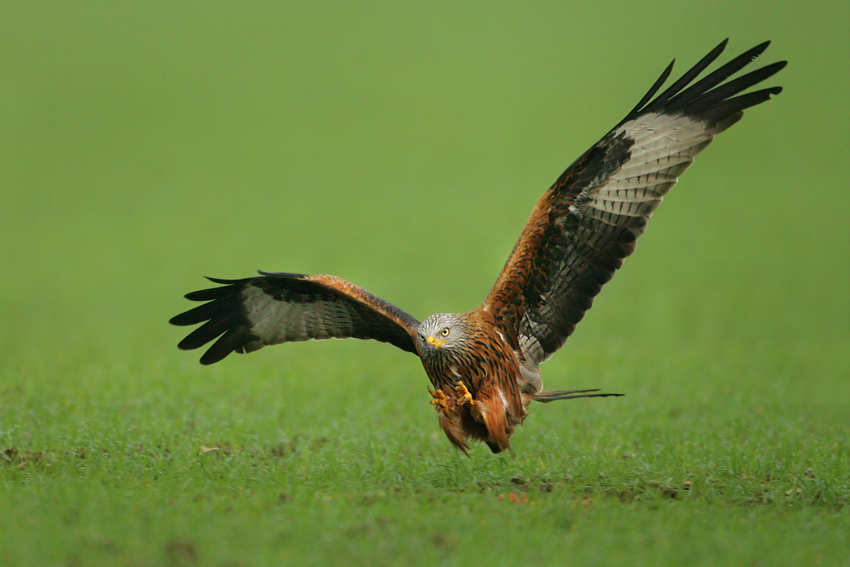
(463, 395)
(464, 398)
(439, 399)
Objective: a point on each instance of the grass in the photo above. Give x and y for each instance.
(224, 474)
(402, 149)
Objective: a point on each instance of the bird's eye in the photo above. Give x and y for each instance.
(444, 332)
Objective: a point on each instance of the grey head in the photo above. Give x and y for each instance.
(441, 333)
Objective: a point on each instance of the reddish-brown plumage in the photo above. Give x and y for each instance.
(504, 301)
(488, 368)
(483, 364)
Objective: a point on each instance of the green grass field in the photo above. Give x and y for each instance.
(402, 148)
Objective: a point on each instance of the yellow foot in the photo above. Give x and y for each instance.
(463, 395)
(439, 399)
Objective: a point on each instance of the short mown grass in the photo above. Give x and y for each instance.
(300, 466)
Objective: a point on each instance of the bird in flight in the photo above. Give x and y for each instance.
(484, 364)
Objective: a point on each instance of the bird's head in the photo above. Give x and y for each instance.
(441, 333)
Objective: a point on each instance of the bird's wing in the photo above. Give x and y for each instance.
(585, 225)
(251, 313)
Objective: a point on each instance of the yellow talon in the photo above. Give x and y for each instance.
(464, 397)
(439, 399)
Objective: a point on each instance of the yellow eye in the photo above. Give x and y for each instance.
(444, 332)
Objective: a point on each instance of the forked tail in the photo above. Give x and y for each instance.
(546, 397)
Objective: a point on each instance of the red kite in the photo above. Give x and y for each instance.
(483, 364)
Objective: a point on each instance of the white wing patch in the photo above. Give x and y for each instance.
(278, 321)
(663, 147)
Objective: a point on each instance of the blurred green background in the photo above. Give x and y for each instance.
(402, 146)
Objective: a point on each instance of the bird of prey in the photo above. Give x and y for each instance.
(484, 364)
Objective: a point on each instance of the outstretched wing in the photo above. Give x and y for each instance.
(587, 222)
(248, 314)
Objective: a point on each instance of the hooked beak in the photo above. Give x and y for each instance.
(434, 342)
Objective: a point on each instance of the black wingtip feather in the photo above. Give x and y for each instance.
(283, 275)
(689, 76)
(190, 317)
(704, 85)
(738, 85)
(735, 105)
(230, 341)
(709, 96)
(207, 294)
(754, 52)
(223, 318)
(653, 89)
(224, 321)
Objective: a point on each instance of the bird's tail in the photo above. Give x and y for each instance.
(546, 397)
